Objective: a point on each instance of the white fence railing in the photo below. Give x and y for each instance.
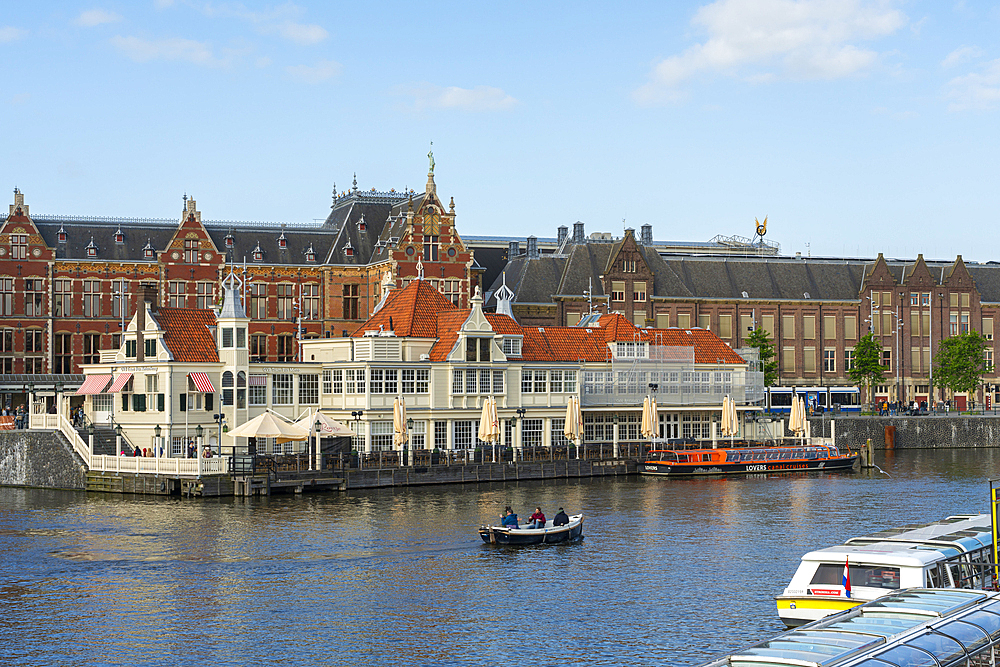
(217, 465)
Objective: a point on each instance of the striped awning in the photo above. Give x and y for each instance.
(202, 382)
(119, 382)
(94, 384)
(258, 380)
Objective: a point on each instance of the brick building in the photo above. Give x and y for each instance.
(69, 284)
(814, 309)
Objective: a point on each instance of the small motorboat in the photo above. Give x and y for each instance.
(548, 535)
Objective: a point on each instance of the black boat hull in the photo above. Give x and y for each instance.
(665, 469)
(525, 536)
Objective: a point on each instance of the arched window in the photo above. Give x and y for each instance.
(241, 379)
(227, 388)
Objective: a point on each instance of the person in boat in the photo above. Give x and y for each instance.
(537, 519)
(560, 519)
(509, 519)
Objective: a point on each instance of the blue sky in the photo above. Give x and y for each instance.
(856, 126)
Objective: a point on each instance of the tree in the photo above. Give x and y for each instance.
(868, 369)
(959, 364)
(765, 353)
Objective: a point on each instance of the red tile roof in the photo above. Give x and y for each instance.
(421, 311)
(413, 311)
(187, 335)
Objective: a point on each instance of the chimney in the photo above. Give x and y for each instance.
(578, 233)
(513, 250)
(140, 326)
(532, 247)
(646, 232)
(561, 235)
(147, 293)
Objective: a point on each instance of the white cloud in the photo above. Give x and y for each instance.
(480, 98)
(10, 34)
(92, 17)
(318, 73)
(175, 48)
(804, 39)
(19, 99)
(962, 54)
(301, 33)
(976, 90)
(274, 20)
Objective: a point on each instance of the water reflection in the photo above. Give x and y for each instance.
(670, 571)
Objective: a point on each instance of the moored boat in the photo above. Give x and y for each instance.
(548, 535)
(742, 460)
(953, 552)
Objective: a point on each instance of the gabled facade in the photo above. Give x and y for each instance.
(814, 310)
(68, 285)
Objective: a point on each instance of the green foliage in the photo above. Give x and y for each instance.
(765, 352)
(868, 369)
(959, 364)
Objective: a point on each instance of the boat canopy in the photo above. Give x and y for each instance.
(918, 626)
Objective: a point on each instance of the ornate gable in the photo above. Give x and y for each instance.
(879, 276)
(919, 275)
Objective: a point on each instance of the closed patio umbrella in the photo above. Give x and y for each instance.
(644, 424)
(571, 429)
(724, 426)
(400, 434)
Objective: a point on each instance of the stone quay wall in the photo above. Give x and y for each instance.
(43, 459)
(923, 432)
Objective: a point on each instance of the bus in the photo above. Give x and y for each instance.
(817, 399)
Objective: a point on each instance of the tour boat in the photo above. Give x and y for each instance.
(522, 535)
(742, 460)
(951, 553)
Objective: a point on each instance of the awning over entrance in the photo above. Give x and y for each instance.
(119, 382)
(202, 382)
(94, 384)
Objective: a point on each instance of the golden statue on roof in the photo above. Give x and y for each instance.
(761, 226)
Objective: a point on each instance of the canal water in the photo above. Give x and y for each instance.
(671, 572)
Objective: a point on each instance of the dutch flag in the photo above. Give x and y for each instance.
(847, 578)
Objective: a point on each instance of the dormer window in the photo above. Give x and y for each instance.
(230, 241)
(258, 254)
(92, 248)
(147, 251)
(348, 249)
(310, 254)
(119, 237)
(61, 234)
(512, 346)
(362, 225)
(282, 241)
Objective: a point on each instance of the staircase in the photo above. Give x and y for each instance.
(104, 441)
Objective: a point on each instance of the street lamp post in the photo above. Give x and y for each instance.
(519, 435)
(118, 438)
(408, 445)
(357, 414)
(156, 439)
(90, 438)
(614, 435)
(198, 432)
(317, 460)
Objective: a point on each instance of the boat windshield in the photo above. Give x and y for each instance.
(832, 574)
(663, 455)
